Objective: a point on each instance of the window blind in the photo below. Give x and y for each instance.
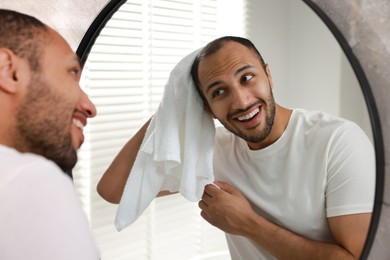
(125, 76)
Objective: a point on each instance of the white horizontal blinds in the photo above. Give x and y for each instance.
(125, 76)
(170, 40)
(116, 78)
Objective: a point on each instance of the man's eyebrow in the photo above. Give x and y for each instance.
(77, 59)
(241, 69)
(212, 85)
(248, 66)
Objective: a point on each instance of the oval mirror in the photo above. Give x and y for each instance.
(360, 27)
(128, 53)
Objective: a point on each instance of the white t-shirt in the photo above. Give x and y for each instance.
(322, 166)
(41, 216)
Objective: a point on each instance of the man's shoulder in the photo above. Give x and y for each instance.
(320, 120)
(15, 164)
(320, 126)
(13, 157)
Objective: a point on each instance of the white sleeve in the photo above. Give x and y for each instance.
(44, 217)
(351, 172)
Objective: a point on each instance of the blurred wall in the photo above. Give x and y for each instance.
(69, 17)
(309, 68)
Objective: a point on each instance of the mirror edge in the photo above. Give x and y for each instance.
(95, 28)
(92, 34)
(112, 6)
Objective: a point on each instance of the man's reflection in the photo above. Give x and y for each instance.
(293, 184)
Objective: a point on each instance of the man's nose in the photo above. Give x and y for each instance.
(240, 98)
(86, 106)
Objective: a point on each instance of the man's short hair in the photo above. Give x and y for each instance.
(212, 47)
(23, 35)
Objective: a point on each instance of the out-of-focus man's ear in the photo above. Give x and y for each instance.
(8, 78)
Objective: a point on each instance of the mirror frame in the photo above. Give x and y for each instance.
(325, 10)
(95, 28)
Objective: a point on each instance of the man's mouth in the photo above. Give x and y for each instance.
(78, 123)
(249, 116)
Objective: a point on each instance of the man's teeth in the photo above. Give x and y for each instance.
(249, 116)
(78, 123)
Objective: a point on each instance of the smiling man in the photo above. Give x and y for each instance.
(42, 112)
(293, 184)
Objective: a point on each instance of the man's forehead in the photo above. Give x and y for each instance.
(58, 44)
(230, 51)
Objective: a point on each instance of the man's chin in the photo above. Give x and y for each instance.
(77, 137)
(67, 166)
(67, 161)
(76, 144)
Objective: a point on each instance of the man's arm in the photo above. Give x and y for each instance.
(350, 231)
(113, 181)
(229, 210)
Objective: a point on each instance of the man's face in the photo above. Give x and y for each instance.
(55, 109)
(238, 92)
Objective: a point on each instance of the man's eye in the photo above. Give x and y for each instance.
(217, 92)
(246, 78)
(74, 71)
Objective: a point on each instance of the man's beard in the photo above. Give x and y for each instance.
(269, 121)
(42, 127)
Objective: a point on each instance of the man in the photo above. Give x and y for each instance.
(303, 181)
(43, 112)
(292, 184)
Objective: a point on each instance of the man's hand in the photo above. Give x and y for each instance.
(229, 210)
(225, 207)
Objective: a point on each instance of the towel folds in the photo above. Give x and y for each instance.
(176, 152)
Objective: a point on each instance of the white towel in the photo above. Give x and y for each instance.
(176, 152)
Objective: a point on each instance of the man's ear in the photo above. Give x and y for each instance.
(269, 76)
(8, 69)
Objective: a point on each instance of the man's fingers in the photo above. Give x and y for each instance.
(204, 215)
(202, 205)
(210, 189)
(225, 186)
(206, 198)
